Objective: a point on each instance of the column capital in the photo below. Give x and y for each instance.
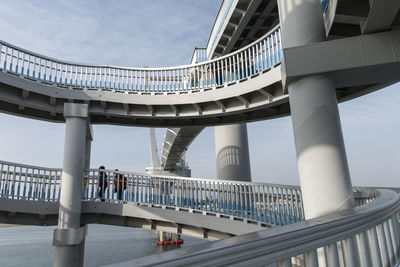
(75, 110)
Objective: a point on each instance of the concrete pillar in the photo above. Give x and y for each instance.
(322, 163)
(86, 166)
(86, 160)
(232, 151)
(69, 233)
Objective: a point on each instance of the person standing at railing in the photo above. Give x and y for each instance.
(119, 184)
(102, 183)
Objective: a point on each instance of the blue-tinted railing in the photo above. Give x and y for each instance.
(249, 61)
(266, 203)
(324, 4)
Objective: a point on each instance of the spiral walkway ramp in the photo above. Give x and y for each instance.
(259, 53)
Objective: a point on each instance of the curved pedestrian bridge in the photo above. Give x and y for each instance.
(212, 209)
(245, 85)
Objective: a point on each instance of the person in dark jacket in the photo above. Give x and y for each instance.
(119, 184)
(102, 183)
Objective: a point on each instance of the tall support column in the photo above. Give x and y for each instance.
(322, 163)
(69, 233)
(232, 150)
(86, 167)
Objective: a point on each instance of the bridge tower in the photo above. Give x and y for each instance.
(232, 152)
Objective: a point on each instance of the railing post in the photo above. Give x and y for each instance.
(331, 255)
(395, 237)
(311, 259)
(363, 250)
(349, 253)
(374, 247)
(383, 245)
(69, 234)
(389, 243)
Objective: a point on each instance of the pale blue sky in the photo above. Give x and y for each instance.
(164, 33)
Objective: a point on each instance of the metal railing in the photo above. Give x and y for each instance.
(199, 55)
(247, 62)
(268, 203)
(19, 181)
(265, 203)
(368, 235)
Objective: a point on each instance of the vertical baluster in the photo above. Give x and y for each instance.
(363, 250)
(11, 59)
(214, 80)
(196, 195)
(279, 207)
(238, 68)
(237, 200)
(165, 191)
(19, 181)
(268, 205)
(246, 62)
(201, 194)
(53, 175)
(241, 200)
(374, 247)
(170, 81)
(395, 236)
(275, 204)
(230, 69)
(234, 68)
(286, 205)
(253, 203)
(163, 184)
(1, 52)
(13, 182)
(5, 185)
(192, 197)
(331, 255)
(246, 201)
(232, 202)
(226, 71)
(276, 49)
(264, 209)
(253, 61)
(279, 44)
(259, 204)
(5, 59)
(197, 78)
(17, 62)
(311, 258)
(383, 245)
(349, 253)
(389, 243)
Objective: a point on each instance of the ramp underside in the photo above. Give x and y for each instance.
(184, 221)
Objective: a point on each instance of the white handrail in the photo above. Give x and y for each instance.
(368, 235)
(265, 203)
(246, 62)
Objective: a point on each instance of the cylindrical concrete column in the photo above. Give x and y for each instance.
(322, 163)
(69, 233)
(86, 166)
(88, 149)
(232, 150)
